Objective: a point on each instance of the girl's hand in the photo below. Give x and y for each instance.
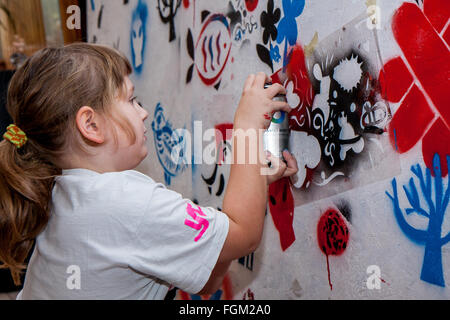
(279, 169)
(256, 107)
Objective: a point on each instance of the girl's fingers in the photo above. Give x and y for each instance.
(280, 106)
(292, 167)
(260, 80)
(275, 89)
(249, 82)
(277, 166)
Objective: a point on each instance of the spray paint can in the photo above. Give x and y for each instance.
(276, 137)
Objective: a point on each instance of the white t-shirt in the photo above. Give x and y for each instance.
(120, 235)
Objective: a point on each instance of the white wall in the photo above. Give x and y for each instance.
(327, 32)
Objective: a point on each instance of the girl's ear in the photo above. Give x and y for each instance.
(90, 125)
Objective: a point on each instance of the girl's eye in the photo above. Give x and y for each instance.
(135, 100)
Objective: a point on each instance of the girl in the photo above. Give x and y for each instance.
(100, 229)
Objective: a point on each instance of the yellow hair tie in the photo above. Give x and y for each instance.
(16, 136)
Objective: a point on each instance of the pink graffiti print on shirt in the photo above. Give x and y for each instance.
(200, 222)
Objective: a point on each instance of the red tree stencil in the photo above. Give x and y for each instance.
(332, 235)
(420, 79)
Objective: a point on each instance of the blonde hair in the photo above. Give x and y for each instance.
(44, 96)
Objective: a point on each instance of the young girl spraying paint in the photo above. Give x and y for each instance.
(101, 230)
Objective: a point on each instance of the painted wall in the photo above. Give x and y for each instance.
(367, 216)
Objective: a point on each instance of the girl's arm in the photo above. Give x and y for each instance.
(246, 194)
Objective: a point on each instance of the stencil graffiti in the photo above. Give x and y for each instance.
(269, 19)
(170, 146)
(423, 114)
(138, 36)
(336, 111)
(436, 197)
(223, 154)
(211, 51)
(332, 236)
(281, 205)
(286, 31)
(167, 11)
(242, 22)
(287, 28)
(337, 107)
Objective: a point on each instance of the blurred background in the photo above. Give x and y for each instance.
(27, 26)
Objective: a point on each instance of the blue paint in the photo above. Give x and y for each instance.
(216, 296)
(93, 5)
(287, 28)
(211, 51)
(170, 146)
(274, 53)
(437, 203)
(138, 36)
(395, 139)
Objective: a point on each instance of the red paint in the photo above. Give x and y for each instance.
(332, 236)
(446, 35)
(437, 12)
(208, 26)
(437, 140)
(329, 273)
(384, 281)
(281, 205)
(297, 73)
(186, 4)
(395, 80)
(248, 295)
(428, 57)
(251, 4)
(224, 132)
(426, 53)
(411, 121)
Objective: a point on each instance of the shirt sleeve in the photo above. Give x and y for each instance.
(178, 241)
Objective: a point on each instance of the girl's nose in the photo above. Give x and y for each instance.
(144, 114)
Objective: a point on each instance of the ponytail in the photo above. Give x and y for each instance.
(25, 191)
(44, 96)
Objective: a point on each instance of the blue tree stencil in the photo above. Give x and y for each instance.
(432, 262)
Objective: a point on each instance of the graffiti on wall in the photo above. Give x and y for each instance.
(138, 36)
(170, 144)
(332, 236)
(339, 113)
(278, 30)
(419, 80)
(242, 20)
(167, 10)
(211, 51)
(428, 197)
